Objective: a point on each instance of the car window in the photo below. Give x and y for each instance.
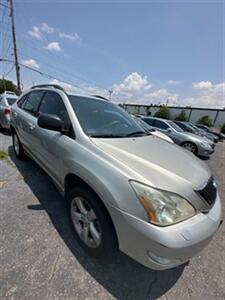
(53, 104)
(149, 121)
(11, 101)
(160, 124)
(32, 102)
(21, 101)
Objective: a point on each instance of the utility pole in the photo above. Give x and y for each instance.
(110, 94)
(14, 45)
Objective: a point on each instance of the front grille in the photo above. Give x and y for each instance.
(209, 192)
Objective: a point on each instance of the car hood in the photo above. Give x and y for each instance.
(156, 162)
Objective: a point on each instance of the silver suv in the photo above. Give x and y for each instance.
(125, 189)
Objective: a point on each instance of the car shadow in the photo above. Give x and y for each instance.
(122, 277)
(4, 131)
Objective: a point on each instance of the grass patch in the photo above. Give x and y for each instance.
(3, 155)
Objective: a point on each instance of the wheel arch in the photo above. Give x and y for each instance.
(72, 180)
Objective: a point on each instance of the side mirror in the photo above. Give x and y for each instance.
(50, 122)
(169, 130)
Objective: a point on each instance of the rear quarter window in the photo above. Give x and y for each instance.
(11, 101)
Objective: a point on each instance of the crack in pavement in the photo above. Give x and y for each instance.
(151, 285)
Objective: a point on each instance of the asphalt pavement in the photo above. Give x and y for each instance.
(39, 258)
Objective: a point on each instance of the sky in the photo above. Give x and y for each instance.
(145, 52)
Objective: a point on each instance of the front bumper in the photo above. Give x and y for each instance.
(165, 247)
(205, 152)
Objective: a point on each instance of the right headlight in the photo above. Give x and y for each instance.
(163, 208)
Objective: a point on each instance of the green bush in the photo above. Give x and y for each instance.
(7, 85)
(205, 120)
(163, 112)
(181, 117)
(223, 128)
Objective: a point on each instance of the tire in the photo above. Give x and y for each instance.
(17, 146)
(190, 147)
(93, 228)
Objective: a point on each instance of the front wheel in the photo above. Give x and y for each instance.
(190, 147)
(91, 223)
(17, 147)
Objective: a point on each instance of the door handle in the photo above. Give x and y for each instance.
(32, 126)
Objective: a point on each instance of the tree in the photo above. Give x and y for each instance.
(163, 112)
(223, 128)
(205, 120)
(181, 117)
(7, 85)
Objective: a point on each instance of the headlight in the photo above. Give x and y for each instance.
(206, 145)
(163, 208)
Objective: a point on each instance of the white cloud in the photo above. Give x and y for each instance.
(208, 95)
(35, 32)
(132, 84)
(53, 46)
(31, 63)
(171, 81)
(162, 96)
(202, 85)
(46, 28)
(137, 89)
(74, 36)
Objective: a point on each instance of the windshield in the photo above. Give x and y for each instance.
(11, 101)
(196, 129)
(100, 118)
(143, 124)
(174, 126)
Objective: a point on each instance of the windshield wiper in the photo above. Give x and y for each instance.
(137, 133)
(106, 136)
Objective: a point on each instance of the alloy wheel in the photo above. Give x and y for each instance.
(85, 222)
(190, 147)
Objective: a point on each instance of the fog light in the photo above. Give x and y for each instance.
(163, 260)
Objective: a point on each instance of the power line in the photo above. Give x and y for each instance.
(9, 71)
(48, 75)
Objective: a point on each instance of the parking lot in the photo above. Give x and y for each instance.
(39, 258)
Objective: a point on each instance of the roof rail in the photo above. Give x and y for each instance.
(56, 86)
(101, 97)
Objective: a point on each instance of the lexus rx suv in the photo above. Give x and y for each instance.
(125, 188)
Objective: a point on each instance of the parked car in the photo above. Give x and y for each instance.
(125, 189)
(220, 135)
(201, 132)
(189, 127)
(152, 130)
(192, 142)
(6, 101)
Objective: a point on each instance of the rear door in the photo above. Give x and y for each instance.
(26, 120)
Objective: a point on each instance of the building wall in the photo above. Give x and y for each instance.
(217, 115)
